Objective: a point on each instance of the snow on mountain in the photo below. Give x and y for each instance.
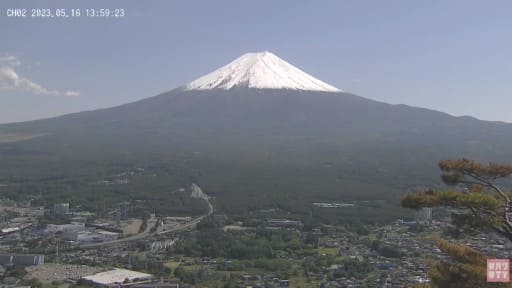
(262, 70)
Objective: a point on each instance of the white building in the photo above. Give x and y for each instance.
(425, 215)
(69, 231)
(95, 236)
(117, 276)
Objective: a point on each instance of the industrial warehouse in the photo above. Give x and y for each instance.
(117, 276)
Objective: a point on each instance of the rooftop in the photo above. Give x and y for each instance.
(117, 276)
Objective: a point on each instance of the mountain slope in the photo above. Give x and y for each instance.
(268, 146)
(336, 139)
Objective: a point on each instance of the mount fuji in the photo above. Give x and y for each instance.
(260, 71)
(261, 130)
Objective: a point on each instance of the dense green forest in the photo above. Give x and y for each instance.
(94, 186)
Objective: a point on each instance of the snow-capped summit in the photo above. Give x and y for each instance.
(262, 70)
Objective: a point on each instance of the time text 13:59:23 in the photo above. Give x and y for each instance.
(65, 13)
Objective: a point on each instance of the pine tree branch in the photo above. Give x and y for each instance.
(507, 214)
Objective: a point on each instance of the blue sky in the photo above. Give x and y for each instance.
(451, 56)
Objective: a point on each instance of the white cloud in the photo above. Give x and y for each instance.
(11, 80)
(9, 60)
(72, 93)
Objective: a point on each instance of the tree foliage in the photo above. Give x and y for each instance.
(481, 203)
(477, 203)
(467, 268)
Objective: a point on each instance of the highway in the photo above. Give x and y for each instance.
(146, 233)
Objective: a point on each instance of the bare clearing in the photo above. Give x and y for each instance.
(9, 138)
(131, 227)
(59, 272)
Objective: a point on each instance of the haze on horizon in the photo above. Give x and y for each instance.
(447, 56)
